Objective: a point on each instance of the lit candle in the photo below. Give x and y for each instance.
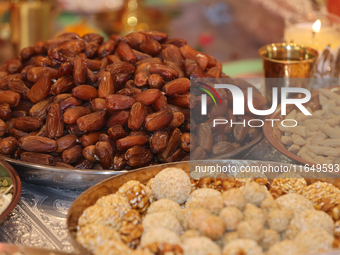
(317, 35)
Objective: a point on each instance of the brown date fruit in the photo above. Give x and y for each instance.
(204, 137)
(130, 141)
(54, 122)
(159, 141)
(240, 133)
(178, 155)
(27, 53)
(158, 120)
(3, 127)
(106, 48)
(188, 142)
(90, 138)
(92, 122)
(119, 102)
(74, 129)
(43, 61)
(156, 81)
(40, 47)
(16, 133)
(173, 54)
(61, 55)
(198, 154)
(37, 144)
(136, 116)
(119, 161)
(106, 86)
(13, 65)
(65, 69)
(40, 109)
(66, 142)
(148, 97)
(73, 154)
(83, 164)
(37, 158)
(177, 120)
(164, 71)
(104, 152)
(120, 118)
(8, 145)
(93, 37)
(17, 85)
(35, 73)
(89, 153)
(161, 103)
(63, 165)
(109, 139)
(23, 73)
(98, 104)
(5, 111)
(186, 100)
(28, 123)
(150, 46)
(141, 79)
(125, 53)
(177, 42)
(9, 97)
(117, 132)
(40, 89)
(62, 85)
(79, 71)
(138, 156)
(85, 92)
(178, 86)
(222, 148)
(69, 102)
(72, 114)
(156, 35)
(172, 145)
(192, 69)
(220, 137)
(135, 39)
(5, 80)
(218, 110)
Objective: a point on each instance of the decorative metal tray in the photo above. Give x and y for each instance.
(10, 249)
(83, 178)
(6, 170)
(143, 175)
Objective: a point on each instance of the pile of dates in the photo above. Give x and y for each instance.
(82, 102)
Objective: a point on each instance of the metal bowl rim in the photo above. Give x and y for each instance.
(17, 188)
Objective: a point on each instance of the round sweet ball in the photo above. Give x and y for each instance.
(207, 198)
(213, 227)
(279, 220)
(228, 237)
(286, 247)
(196, 216)
(296, 203)
(270, 238)
(141, 252)
(200, 246)
(171, 183)
(242, 246)
(92, 235)
(251, 229)
(232, 216)
(315, 240)
(255, 193)
(269, 204)
(119, 203)
(234, 197)
(252, 212)
(189, 234)
(164, 205)
(164, 220)
(160, 235)
(183, 217)
(308, 220)
(100, 215)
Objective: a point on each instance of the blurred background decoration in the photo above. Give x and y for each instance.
(230, 30)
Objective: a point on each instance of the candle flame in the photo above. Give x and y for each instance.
(316, 26)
